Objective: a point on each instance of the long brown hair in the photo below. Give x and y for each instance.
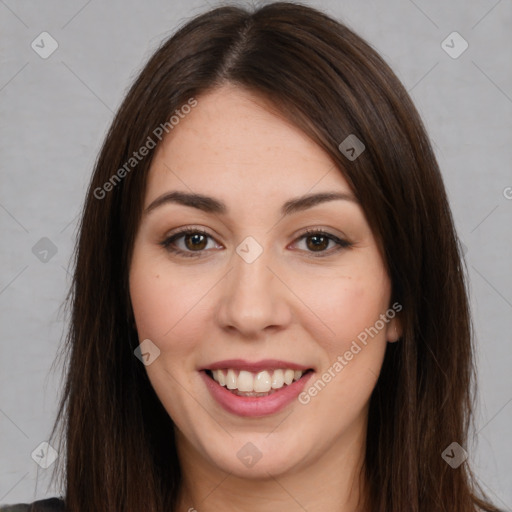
(116, 436)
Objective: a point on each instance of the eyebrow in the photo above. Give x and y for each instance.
(211, 205)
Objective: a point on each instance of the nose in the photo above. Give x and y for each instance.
(254, 300)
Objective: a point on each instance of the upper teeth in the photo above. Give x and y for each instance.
(260, 382)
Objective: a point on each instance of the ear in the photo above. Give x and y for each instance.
(394, 329)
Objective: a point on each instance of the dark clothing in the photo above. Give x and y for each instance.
(48, 505)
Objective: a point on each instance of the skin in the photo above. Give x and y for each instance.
(290, 303)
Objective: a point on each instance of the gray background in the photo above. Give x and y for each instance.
(55, 112)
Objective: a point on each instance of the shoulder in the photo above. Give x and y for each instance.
(47, 505)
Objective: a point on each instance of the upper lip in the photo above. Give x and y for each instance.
(255, 366)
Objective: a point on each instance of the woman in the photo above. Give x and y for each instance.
(268, 308)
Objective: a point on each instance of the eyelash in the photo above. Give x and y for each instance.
(167, 243)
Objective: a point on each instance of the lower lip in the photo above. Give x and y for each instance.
(255, 406)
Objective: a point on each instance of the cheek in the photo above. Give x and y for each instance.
(352, 359)
(345, 306)
(349, 307)
(167, 311)
(152, 305)
(167, 305)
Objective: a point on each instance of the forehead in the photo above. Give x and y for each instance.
(235, 142)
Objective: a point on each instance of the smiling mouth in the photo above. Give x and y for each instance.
(256, 384)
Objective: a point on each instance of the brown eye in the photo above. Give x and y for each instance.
(318, 242)
(321, 243)
(189, 242)
(196, 241)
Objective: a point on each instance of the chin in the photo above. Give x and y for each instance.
(256, 456)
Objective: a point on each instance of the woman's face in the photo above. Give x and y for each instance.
(248, 293)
